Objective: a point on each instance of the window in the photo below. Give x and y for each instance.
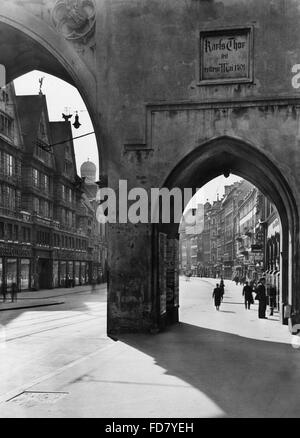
(2, 196)
(11, 198)
(35, 177)
(26, 234)
(56, 240)
(46, 183)
(69, 218)
(5, 125)
(63, 192)
(5, 97)
(18, 200)
(9, 231)
(68, 167)
(17, 168)
(15, 232)
(43, 238)
(46, 208)
(1, 230)
(63, 216)
(8, 164)
(42, 152)
(36, 205)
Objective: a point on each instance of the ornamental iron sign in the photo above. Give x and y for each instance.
(226, 55)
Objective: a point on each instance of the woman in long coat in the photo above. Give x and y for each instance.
(217, 295)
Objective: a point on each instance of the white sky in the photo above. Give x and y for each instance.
(61, 95)
(211, 190)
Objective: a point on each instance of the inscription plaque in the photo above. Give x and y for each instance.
(226, 56)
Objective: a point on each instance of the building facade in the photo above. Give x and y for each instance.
(240, 237)
(48, 231)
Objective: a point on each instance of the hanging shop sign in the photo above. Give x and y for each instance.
(226, 55)
(256, 248)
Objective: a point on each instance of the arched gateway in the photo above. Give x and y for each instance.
(225, 155)
(178, 93)
(27, 42)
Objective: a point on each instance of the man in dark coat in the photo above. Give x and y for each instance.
(222, 287)
(262, 298)
(3, 290)
(247, 293)
(217, 295)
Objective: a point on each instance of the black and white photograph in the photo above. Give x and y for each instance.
(149, 212)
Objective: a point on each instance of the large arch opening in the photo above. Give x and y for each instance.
(224, 156)
(35, 46)
(39, 257)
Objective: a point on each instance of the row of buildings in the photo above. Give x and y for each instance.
(236, 237)
(49, 235)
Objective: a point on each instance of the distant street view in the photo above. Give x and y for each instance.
(236, 237)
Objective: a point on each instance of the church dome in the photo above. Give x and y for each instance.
(88, 171)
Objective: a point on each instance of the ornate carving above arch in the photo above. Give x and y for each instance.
(74, 19)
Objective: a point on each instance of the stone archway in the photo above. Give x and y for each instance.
(228, 154)
(28, 43)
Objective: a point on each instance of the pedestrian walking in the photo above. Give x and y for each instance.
(14, 292)
(247, 294)
(93, 286)
(69, 281)
(222, 287)
(217, 296)
(262, 298)
(3, 292)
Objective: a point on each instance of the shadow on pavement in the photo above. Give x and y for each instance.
(226, 311)
(244, 377)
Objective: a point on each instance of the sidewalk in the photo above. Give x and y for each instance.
(46, 297)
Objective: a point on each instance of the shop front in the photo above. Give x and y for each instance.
(77, 273)
(11, 273)
(24, 274)
(15, 267)
(55, 274)
(70, 273)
